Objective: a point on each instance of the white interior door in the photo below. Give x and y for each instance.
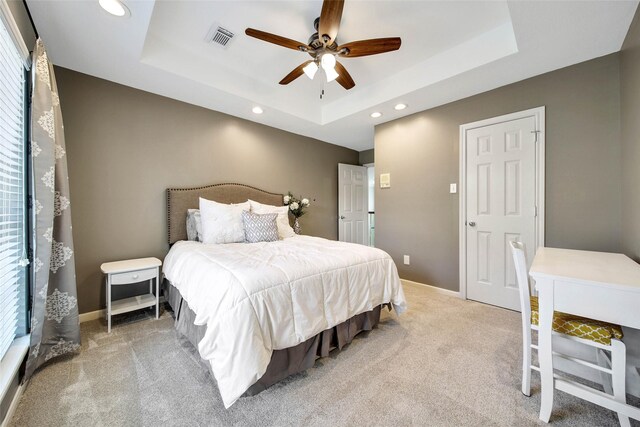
(352, 204)
(500, 207)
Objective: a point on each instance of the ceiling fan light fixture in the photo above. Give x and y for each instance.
(331, 74)
(114, 7)
(323, 47)
(400, 107)
(311, 69)
(328, 61)
(376, 114)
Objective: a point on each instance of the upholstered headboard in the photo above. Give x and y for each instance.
(181, 199)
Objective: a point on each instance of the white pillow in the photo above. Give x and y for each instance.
(284, 229)
(222, 223)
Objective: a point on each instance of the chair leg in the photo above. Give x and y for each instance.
(607, 380)
(526, 361)
(619, 367)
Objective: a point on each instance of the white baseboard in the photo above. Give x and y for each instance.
(432, 288)
(14, 404)
(92, 315)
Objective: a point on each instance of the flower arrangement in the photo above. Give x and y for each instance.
(296, 206)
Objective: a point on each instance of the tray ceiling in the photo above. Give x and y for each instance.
(450, 50)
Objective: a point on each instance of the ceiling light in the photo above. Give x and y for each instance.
(328, 61)
(331, 74)
(257, 110)
(400, 106)
(376, 114)
(114, 7)
(311, 69)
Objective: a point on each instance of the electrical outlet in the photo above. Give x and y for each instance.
(406, 260)
(453, 188)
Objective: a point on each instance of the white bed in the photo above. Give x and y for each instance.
(260, 297)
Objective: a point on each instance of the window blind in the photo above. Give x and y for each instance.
(12, 190)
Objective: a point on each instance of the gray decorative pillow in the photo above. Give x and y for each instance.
(260, 228)
(194, 225)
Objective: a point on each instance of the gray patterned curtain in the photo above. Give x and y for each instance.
(55, 328)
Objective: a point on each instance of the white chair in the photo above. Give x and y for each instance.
(604, 337)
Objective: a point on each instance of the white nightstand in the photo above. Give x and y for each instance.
(128, 272)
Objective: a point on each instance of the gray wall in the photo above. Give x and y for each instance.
(630, 124)
(366, 157)
(125, 147)
(417, 216)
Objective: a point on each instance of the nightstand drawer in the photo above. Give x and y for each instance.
(133, 276)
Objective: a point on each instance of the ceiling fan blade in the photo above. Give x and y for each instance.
(344, 78)
(330, 20)
(297, 72)
(369, 47)
(279, 40)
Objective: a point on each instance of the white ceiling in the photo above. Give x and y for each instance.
(450, 50)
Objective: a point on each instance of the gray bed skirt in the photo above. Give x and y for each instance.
(284, 362)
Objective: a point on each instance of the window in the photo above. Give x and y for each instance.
(13, 290)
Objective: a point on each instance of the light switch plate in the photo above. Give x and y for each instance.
(453, 188)
(385, 180)
(407, 260)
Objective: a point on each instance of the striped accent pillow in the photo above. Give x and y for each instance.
(260, 228)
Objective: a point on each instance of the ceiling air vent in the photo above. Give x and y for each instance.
(219, 35)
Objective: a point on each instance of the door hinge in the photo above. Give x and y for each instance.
(535, 211)
(536, 132)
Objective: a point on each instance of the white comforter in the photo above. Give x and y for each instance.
(259, 297)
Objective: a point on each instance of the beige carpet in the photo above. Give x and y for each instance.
(445, 362)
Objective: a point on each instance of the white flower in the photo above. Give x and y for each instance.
(286, 199)
(294, 206)
(305, 202)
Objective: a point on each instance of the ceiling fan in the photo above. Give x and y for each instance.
(323, 47)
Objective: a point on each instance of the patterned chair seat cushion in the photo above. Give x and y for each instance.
(581, 327)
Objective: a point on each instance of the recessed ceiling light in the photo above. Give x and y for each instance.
(376, 114)
(114, 7)
(400, 106)
(257, 110)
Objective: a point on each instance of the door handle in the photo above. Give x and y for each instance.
(472, 224)
(342, 217)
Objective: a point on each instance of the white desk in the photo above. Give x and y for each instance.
(597, 285)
